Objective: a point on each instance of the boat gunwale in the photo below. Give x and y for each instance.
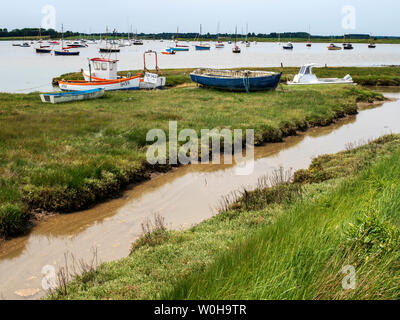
(234, 74)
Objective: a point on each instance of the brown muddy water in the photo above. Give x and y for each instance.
(184, 197)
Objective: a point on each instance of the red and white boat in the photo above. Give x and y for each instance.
(107, 70)
(103, 73)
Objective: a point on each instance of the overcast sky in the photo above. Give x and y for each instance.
(263, 16)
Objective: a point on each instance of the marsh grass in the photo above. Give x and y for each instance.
(63, 158)
(302, 254)
(289, 249)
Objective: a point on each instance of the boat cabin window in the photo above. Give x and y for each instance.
(111, 66)
(302, 70)
(104, 66)
(308, 70)
(96, 66)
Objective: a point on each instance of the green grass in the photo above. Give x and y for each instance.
(301, 256)
(67, 157)
(367, 76)
(290, 241)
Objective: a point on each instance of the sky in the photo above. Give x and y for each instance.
(322, 17)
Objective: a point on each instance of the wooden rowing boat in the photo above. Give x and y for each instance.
(62, 97)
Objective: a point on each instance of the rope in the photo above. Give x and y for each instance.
(26, 89)
(246, 82)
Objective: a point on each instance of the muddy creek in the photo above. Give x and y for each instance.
(185, 196)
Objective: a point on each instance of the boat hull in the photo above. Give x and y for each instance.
(269, 82)
(102, 50)
(108, 85)
(43, 50)
(202, 48)
(72, 96)
(177, 49)
(65, 53)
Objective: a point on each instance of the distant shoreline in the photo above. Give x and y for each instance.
(224, 39)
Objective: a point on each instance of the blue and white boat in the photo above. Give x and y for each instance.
(177, 49)
(61, 97)
(236, 80)
(202, 47)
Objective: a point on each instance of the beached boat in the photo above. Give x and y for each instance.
(105, 70)
(306, 77)
(171, 52)
(240, 80)
(152, 80)
(131, 83)
(103, 73)
(334, 47)
(62, 97)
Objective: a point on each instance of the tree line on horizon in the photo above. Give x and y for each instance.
(51, 33)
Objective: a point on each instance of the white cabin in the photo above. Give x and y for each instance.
(103, 68)
(306, 75)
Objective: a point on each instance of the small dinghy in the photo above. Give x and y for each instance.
(62, 97)
(348, 46)
(288, 46)
(306, 77)
(334, 47)
(168, 52)
(233, 80)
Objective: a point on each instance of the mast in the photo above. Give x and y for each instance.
(62, 36)
(235, 35)
(200, 35)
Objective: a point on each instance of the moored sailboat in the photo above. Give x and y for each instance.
(236, 48)
(64, 51)
(201, 46)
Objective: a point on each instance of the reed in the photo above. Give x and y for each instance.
(294, 248)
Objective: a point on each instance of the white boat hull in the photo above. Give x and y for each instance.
(160, 84)
(161, 81)
(321, 81)
(123, 84)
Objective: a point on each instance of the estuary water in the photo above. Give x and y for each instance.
(24, 71)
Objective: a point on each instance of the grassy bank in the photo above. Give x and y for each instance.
(69, 157)
(368, 76)
(289, 241)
